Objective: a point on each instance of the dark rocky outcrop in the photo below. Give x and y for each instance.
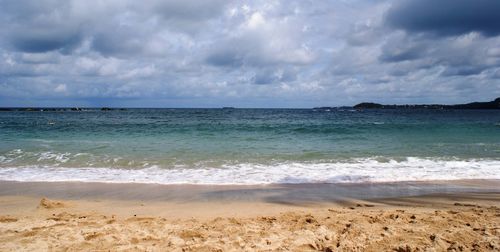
(61, 109)
(368, 105)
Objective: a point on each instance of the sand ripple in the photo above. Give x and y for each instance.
(460, 227)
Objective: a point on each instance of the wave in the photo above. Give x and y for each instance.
(362, 170)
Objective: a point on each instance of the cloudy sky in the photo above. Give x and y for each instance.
(212, 53)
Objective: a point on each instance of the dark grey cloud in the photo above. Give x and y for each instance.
(463, 70)
(446, 17)
(227, 57)
(273, 76)
(188, 13)
(255, 53)
(120, 42)
(395, 52)
(40, 26)
(36, 41)
(233, 52)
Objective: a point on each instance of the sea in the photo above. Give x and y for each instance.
(249, 146)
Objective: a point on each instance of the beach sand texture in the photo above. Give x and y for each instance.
(463, 222)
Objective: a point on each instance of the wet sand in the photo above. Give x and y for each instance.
(458, 215)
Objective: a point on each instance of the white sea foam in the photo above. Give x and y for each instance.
(59, 157)
(356, 171)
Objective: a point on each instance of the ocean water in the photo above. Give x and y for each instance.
(249, 146)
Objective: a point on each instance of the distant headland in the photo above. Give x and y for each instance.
(495, 104)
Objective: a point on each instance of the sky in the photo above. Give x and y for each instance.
(213, 53)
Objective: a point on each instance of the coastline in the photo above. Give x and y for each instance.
(273, 193)
(308, 217)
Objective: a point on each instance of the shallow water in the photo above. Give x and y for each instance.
(249, 146)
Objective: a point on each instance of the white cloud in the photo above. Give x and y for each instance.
(293, 53)
(61, 88)
(255, 21)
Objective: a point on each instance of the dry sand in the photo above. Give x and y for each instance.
(440, 222)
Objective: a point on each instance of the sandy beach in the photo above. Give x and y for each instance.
(216, 125)
(459, 216)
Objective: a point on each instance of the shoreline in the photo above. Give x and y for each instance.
(293, 193)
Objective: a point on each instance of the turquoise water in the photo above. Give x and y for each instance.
(243, 146)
